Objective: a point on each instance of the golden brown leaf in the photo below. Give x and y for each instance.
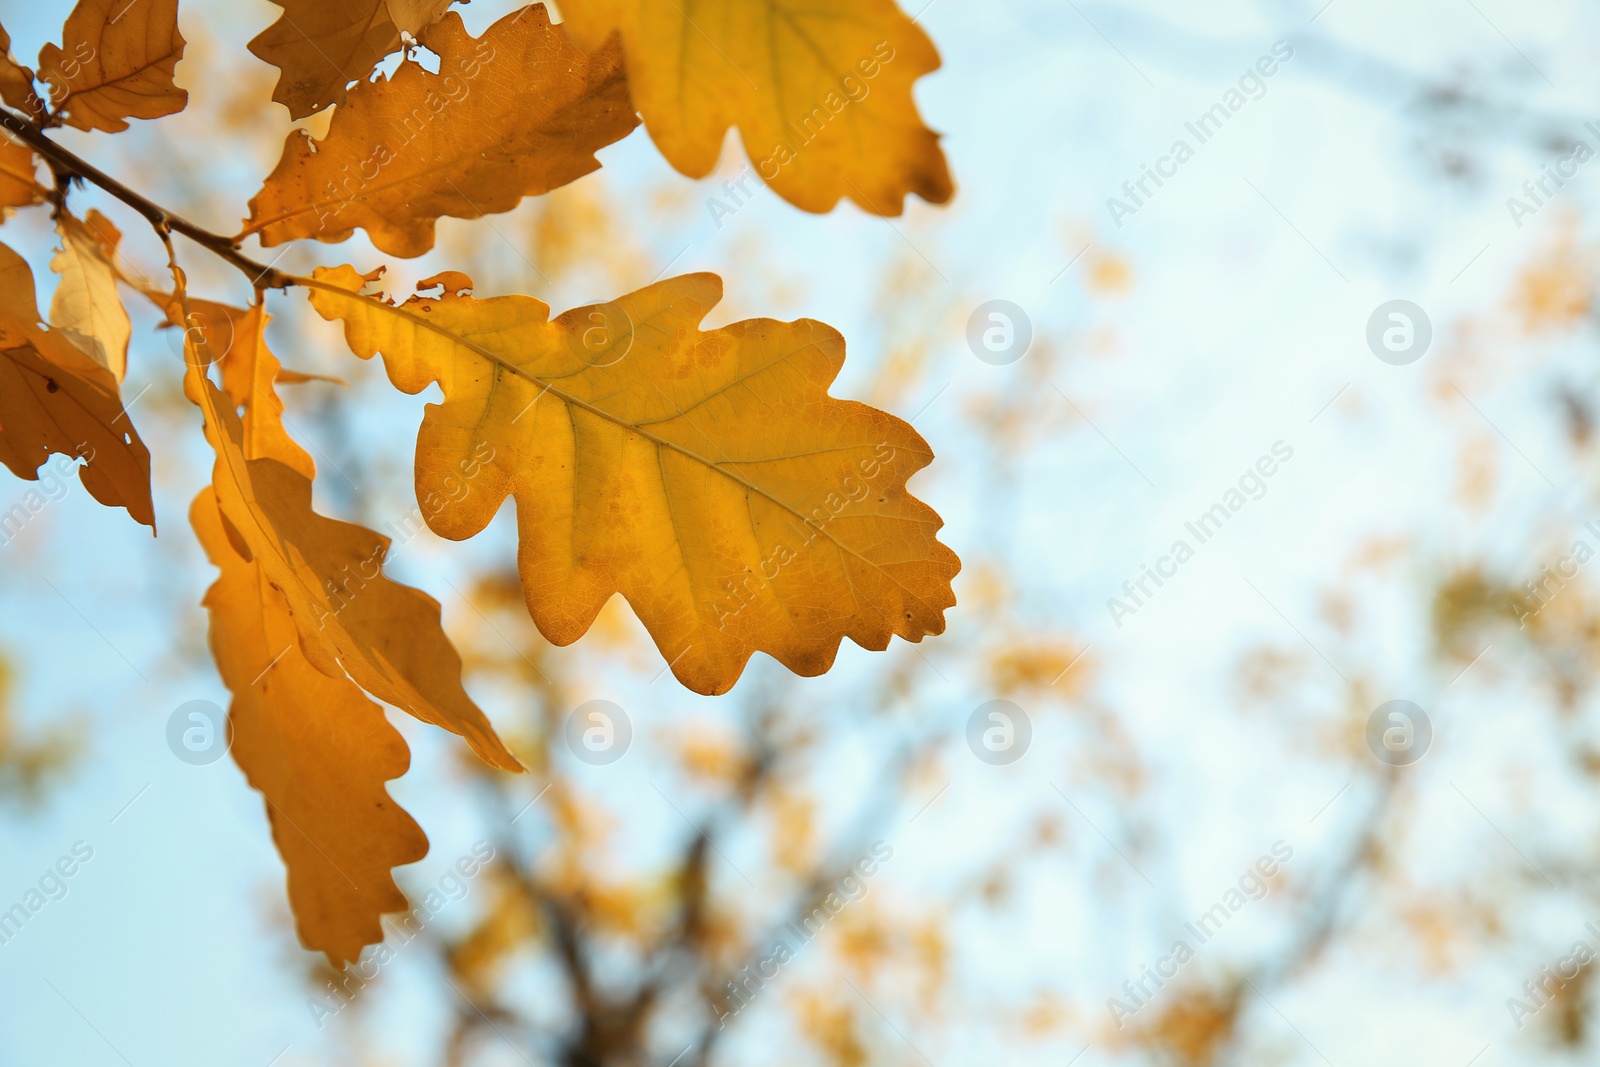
(86, 307)
(515, 113)
(250, 373)
(54, 398)
(706, 476)
(19, 184)
(104, 232)
(820, 91)
(316, 749)
(314, 746)
(115, 63)
(321, 46)
(16, 81)
(351, 619)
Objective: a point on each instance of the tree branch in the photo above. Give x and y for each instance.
(68, 164)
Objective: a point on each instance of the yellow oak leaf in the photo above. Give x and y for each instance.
(707, 476)
(321, 46)
(314, 746)
(351, 619)
(820, 91)
(86, 306)
(54, 398)
(115, 63)
(514, 113)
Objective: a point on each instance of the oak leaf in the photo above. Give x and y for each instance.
(312, 744)
(54, 398)
(317, 750)
(321, 46)
(115, 63)
(514, 113)
(86, 306)
(351, 619)
(707, 476)
(820, 91)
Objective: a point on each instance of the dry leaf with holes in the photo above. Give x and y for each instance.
(321, 46)
(514, 113)
(707, 476)
(820, 92)
(55, 399)
(115, 62)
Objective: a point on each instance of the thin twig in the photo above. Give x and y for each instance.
(67, 164)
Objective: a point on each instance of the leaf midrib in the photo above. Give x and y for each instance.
(584, 405)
